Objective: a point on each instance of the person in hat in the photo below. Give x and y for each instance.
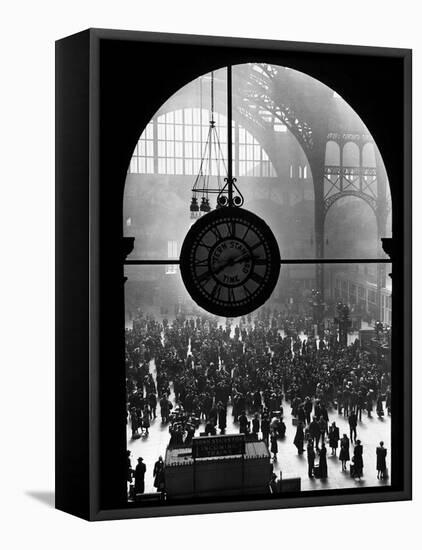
(299, 438)
(323, 470)
(158, 474)
(381, 462)
(358, 459)
(140, 476)
(311, 457)
(344, 451)
(274, 445)
(333, 438)
(265, 427)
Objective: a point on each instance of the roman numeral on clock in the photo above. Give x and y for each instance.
(231, 295)
(256, 277)
(216, 233)
(231, 228)
(216, 291)
(201, 263)
(246, 291)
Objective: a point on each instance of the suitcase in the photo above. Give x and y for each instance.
(295, 421)
(352, 470)
(317, 472)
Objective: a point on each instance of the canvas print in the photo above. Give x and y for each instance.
(257, 293)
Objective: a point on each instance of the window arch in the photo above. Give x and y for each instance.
(368, 155)
(351, 154)
(332, 154)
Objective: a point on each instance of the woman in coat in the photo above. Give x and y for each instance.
(299, 438)
(344, 451)
(255, 423)
(265, 427)
(222, 417)
(333, 438)
(145, 419)
(301, 415)
(323, 470)
(381, 463)
(311, 457)
(380, 407)
(274, 445)
(134, 422)
(369, 404)
(358, 459)
(158, 474)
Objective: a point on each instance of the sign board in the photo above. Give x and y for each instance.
(218, 445)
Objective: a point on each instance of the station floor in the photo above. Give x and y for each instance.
(370, 431)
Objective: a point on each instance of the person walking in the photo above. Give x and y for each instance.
(299, 438)
(146, 420)
(353, 422)
(344, 451)
(222, 417)
(381, 462)
(255, 424)
(311, 457)
(274, 445)
(158, 474)
(333, 438)
(380, 406)
(140, 476)
(315, 431)
(358, 459)
(323, 470)
(265, 427)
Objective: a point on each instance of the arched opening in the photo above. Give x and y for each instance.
(351, 229)
(298, 163)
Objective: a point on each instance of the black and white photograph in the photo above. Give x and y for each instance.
(210, 285)
(258, 293)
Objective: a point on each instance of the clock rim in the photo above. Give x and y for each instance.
(186, 272)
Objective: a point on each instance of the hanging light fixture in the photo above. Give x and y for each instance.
(194, 209)
(211, 160)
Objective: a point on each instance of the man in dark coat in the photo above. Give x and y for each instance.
(222, 417)
(140, 476)
(315, 431)
(381, 462)
(158, 474)
(358, 460)
(353, 421)
(333, 437)
(323, 470)
(265, 427)
(243, 423)
(152, 400)
(308, 405)
(165, 409)
(299, 438)
(311, 458)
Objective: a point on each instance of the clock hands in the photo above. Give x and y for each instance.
(232, 261)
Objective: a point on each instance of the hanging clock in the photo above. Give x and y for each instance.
(230, 259)
(230, 262)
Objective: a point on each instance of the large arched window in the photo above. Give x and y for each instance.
(310, 169)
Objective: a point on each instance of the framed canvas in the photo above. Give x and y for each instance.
(233, 274)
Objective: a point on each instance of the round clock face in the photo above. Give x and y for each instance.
(230, 262)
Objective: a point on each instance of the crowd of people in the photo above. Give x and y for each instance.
(255, 366)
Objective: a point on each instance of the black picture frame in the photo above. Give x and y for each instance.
(96, 131)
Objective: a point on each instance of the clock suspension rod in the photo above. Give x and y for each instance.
(229, 136)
